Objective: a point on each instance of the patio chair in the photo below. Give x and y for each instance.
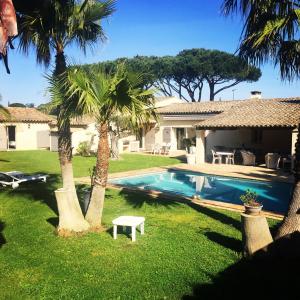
(248, 158)
(230, 158)
(216, 157)
(166, 149)
(15, 178)
(156, 149)
(272, 160)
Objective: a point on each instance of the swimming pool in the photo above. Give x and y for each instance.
(274, 196)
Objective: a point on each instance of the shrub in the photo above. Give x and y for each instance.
(83, 149)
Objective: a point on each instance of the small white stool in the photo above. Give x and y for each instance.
(129, 221)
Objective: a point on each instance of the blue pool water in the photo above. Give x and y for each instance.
(274, 196)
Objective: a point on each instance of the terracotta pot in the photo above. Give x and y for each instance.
(253, 210)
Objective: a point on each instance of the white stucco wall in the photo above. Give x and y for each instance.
(29, 136)
(88, 134)
(165, 133)
(294, 141)
(79, 134)
(227, 138)
(3, 138)
(32, 136)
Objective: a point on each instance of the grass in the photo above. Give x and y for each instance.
(45, 161)
(184, 245)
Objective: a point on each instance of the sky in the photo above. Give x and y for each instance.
(148, 27)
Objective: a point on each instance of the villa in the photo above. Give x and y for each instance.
(30, 129)
(24, 129)
(262, 125)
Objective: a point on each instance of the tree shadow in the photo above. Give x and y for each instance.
(267, 174)
(53, 221)
(225, 241)
(39, 191)
(2, 238)
(138, 198)
(272, 273)
(121, 230)
(216, 215)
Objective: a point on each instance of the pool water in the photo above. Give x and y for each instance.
(274, 196)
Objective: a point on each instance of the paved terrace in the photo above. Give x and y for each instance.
(239, 171)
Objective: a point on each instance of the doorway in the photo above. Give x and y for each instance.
(180, 135)
(11, 137)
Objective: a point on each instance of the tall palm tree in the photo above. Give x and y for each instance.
(49, 26)
(272, 32)
(105, 96)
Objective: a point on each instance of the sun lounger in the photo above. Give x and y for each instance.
(14, 178)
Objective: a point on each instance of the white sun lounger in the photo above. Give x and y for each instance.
(14, 178)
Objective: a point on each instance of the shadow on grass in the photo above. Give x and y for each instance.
(225, 241)
(4, 160)
(53, 221)
(216, 215)
(270, 274)
(121, 230)
(40, 191)
(137, 199)
(2, 238)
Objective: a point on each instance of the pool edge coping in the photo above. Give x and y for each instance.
(202, 202)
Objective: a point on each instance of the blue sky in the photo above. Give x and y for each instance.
(148, 27)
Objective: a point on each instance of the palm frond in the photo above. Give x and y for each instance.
(271, 32)
(51, 25)
(103, 95)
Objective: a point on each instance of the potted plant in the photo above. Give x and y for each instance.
(251, 204)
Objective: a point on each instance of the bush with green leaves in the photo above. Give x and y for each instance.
(250, 198)
(83, 149)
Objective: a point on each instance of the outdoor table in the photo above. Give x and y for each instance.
(224, 153)
(129, 221)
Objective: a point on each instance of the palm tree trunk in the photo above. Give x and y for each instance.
(114, 139)
(291, 221)
(74, 214)
(211, 91)
(95, 209)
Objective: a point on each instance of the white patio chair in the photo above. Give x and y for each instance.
(230, 158)
(166, 149)
(156, 149)
(216, 157)
(15, 178)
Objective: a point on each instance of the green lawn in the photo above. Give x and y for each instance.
(45, 161)
(184, 245)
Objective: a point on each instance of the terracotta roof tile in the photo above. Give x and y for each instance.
(80, 121)
(24, 114)
(197, 107)
(279, 112)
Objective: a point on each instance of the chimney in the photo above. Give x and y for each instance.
(255, 95)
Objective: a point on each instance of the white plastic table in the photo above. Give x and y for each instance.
(129, 221)
(224, 153)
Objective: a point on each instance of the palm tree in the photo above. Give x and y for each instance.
(271, 32)
(104, 96)
(49, 26)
